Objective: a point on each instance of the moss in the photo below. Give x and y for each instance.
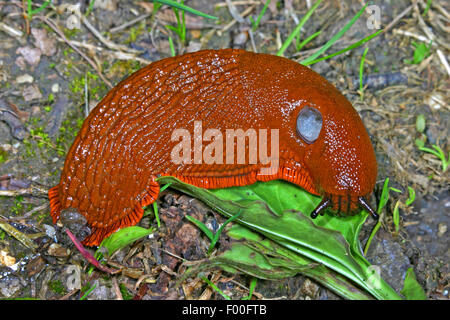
(120, 69)
(18, 206)
(70, 33)
(57, 287)
(96, 87)
(135, 32)
(3, 155)
(68, 131)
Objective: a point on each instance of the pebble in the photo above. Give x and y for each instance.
(26, 78)
(9, 286)
(442, 228)
(241, 38)
(55, 88)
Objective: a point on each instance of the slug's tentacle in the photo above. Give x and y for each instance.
(363, 202)
(320, 209)
(328, 203)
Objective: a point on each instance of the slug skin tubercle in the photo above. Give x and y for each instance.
(126, 141)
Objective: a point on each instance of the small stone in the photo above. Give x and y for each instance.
(31, 55)
(57, 250)
(55, 88)
(241, 38)
(193, 46)
(9, 286)
(50, 231)
(442, 228)
(26, 78)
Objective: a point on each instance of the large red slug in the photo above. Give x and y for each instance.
(127, 141)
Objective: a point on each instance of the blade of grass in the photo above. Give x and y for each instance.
(215, 288)
(251, 289)
(172, 48)
(411, 197)
(255, 24)
(335, 38)
(361, 72)
(201, 226)
(183, 7)
(396, 217)
(155, 211)
(383, 201)
(88, 292)
(32, 12)
(297, 29)
(439, 154)
(308, 40)
(90, 8)
(217, 234)
(350, 47)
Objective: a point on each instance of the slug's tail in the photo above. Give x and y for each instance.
(55, 206)
(98, 234)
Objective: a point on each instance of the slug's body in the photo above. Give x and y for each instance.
(126, 141)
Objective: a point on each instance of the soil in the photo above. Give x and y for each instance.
(49, 60)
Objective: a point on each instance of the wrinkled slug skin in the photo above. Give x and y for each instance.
(125, 142)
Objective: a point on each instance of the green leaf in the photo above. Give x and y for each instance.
(124, 237)
(411, 197)
(420, 123)
(279, 211)
(361, 71)
(421, 52)
(411, 288)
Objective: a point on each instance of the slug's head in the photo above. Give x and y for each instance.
(338, 152)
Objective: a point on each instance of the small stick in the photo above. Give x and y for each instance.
(97, 34)
(29, 213)
(33, 191)
(22, 237)
(52, 25)
(443, 60)
(117, 289)
(130, 23)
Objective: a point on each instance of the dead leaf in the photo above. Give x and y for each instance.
(31, 92)
(6, 259)
(43, 42)
(31, 55)
(23, 115)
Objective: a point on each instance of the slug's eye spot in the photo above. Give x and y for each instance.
(309, 124)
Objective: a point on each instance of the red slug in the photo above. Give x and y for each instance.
(130, 138)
